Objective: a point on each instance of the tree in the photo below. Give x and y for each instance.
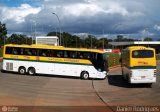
(3, 33)
(67, 39)
(119, 38)
(91, 41)
(102, 43)
(19, 39)
(148, 39)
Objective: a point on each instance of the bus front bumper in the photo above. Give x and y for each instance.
(102, 75)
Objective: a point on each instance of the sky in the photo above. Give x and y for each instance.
(103, 18)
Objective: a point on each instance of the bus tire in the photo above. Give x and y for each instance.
(22, 70)
(85, 75)
(31, 71)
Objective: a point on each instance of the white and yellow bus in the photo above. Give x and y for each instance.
(139, 64)
(55, 60)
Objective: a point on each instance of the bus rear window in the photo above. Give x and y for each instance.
(142, 54)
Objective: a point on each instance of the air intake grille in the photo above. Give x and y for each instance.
(9, 66)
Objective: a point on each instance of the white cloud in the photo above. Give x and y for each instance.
(18, 14)
(77, 16)
(115, 8)
(91, 8)
(157, 27)
(82, 9)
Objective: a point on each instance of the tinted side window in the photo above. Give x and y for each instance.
(9, 50)
(34, 52)
(80, 55)
(59, 54)
(72, 54)
(45, 52)
(52, 53)
(66, 54)
(87, 55)
(27, 51)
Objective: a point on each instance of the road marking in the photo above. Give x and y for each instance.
(100, 96)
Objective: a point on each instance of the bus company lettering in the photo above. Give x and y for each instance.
(14, 57)
(26, 57)
(142, 62)
(51, 59)
(72, 60)
(37, 58)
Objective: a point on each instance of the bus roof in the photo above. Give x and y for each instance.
(138, 48)
(54, 47)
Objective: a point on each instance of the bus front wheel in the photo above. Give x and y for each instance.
(31, 71)
(22, 70)
(85, 75)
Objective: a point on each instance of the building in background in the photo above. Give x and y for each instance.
(47, 40)
(122, 45)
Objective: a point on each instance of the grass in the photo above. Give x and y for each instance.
(1, 52)
(113, 59)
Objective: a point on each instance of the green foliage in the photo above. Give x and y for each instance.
(113, 59)
(69, 40)
(3, 33)
(148, 39)
(19, 39)
(1, 52)
(157, 57)
(120, 38)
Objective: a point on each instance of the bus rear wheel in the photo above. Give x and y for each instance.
(31, 71)
(85, 75)
(22, 70)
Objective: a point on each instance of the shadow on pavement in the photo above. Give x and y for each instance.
(119, 81)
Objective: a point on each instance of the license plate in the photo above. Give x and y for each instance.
(143, 77)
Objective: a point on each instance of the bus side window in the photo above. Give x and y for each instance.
(59, 54)
(15, 51)
(73, 54)
(27, 52)
(52, 53)
(65, 54)
(86, 55)
(34, 52)
(80, 55)
(47, 52)
(21, 51)
(43, 52)
(9, 50)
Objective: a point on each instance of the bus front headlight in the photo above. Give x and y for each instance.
(99, 70)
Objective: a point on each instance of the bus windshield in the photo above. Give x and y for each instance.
(142, 54)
